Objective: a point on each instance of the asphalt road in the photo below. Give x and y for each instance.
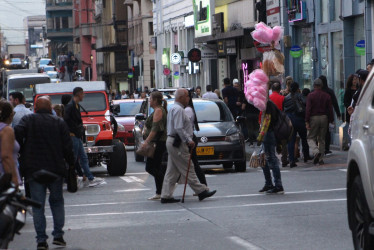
(310, 215)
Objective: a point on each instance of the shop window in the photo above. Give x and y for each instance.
(325, 11)
(359, 35)
(337, 54)
(324, 53)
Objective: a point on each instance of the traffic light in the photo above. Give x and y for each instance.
(261, 7)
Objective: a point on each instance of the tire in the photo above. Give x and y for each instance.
(138, 158)
(227, 165)
(117, 164)
(240, 166)
(359, 216)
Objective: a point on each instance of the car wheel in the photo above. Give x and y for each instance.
(117, 164)
(227, 165)
(138, 158)
(240, 166)
(359, 216)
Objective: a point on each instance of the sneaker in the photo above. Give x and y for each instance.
(59, 241)
(276, 190)
(156, 197)
(96, 181)
(266, 188)
(80, 182)
(42, 246)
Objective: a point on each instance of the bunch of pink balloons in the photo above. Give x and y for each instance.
(267, 35)
(255, 89)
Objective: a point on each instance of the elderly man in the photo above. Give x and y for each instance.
(317, 115)
(45, 146)
(180, 129)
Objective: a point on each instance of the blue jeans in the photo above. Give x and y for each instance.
(271, 161)
(299, 127)
(56, 202)
(82, 156)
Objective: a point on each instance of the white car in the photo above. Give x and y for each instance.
(54, 76)
(360, 172)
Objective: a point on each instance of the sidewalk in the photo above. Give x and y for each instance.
(338, 159)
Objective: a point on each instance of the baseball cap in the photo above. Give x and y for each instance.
(235, 81)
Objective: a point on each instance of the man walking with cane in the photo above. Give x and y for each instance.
(180, 133)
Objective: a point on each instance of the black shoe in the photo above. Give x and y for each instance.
(170, 200)
(266, 188)
(42, 246)
(59, 241)
(206, 194)
(276, 190)
(328, 152)
(308, 158)
(296, 159)
(321, 162)
(316, 158)
(284, 164)
(293, 164)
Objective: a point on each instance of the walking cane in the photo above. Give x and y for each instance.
(188, 170)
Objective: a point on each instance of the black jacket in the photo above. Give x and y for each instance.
(272, 109)
(333, 100)
(73, 119)
(289, 104)
(45, 143)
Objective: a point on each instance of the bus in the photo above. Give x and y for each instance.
(25, 83)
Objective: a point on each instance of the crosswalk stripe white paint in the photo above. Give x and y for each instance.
(127, 179)
(136, 179)
(243, 243)
(344, 170)
(132, 190)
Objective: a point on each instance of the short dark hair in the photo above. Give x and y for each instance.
(65, 99)
(276, 87)
(77, 90)
(17, 95)
(198, 87)
(6, 110)
(209, 87)
(294, 87)
(226, 81)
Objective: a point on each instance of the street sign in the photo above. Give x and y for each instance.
(166, 71)
(296, 51)
(194, 55)
(360, 47)
(175, 58)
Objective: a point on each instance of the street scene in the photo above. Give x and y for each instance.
(192, 124)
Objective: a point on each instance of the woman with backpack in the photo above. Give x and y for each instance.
(294, 106)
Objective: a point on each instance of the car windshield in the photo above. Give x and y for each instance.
(44, 61)
(26, 86)
(91, 101)
(52, 74)
(49, 68)
(129, 108)
(208, 111)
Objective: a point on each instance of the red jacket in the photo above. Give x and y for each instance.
(277, 99)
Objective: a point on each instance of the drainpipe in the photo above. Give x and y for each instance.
(114, 20)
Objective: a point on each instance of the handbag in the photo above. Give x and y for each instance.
(147, 149)
(71, 180)
(257, 158)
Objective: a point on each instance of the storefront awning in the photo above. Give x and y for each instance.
(225, 35)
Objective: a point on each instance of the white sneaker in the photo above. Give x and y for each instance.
(156, 197)
(96, 181)
(80, 182)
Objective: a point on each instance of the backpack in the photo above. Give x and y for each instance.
(283, 128)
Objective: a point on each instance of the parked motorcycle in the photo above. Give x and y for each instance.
(13, 208)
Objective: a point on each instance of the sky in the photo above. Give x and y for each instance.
(12, 13)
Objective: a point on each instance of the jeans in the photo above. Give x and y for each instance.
(82, 156)
(56, 202)
(271, 161)
(299, 127)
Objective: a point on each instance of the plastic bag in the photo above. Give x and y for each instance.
(257, 158)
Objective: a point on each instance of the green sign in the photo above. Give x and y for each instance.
(130, 75)
(360, 48)
(296, 51)
(176, 75)
(202, 17)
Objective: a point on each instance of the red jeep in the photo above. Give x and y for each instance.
(101, 127)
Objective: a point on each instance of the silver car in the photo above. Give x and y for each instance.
(220, 139)
(360, 173)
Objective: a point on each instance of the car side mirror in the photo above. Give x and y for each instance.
(115, 109)
(240, 119)
(140, 117)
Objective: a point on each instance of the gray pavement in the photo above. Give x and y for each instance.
(310, 215)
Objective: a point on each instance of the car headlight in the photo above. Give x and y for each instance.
(92, 129)
(233, 137)
(7, 62)
(121, 128)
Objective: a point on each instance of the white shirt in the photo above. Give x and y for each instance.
(191, 115)
(210, 95)
(179, 123)
(20, 111)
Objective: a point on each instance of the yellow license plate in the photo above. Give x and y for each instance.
(90, 138)
(205, 150)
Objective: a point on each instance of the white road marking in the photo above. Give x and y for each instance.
(136, 179)
(200, 208)
(139, 173)
(243, 243)
(132, 190)
(127, 179)
(344, 170)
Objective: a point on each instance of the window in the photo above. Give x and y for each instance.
(150, 28)
(65, 22)
(337, 56)
(359, 34)
(129, 108)
(325, 11)
(324, 53)
(57, 23)
(121, 61)
(337, 10)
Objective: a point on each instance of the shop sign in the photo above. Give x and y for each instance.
(221, 48)
(166, 57)
(176, 75)
(230, 47)
(166, 71)
(208, 52)
(272, 12)
(203, 11)
(296, 51)
(360, 47)
(175, 58)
